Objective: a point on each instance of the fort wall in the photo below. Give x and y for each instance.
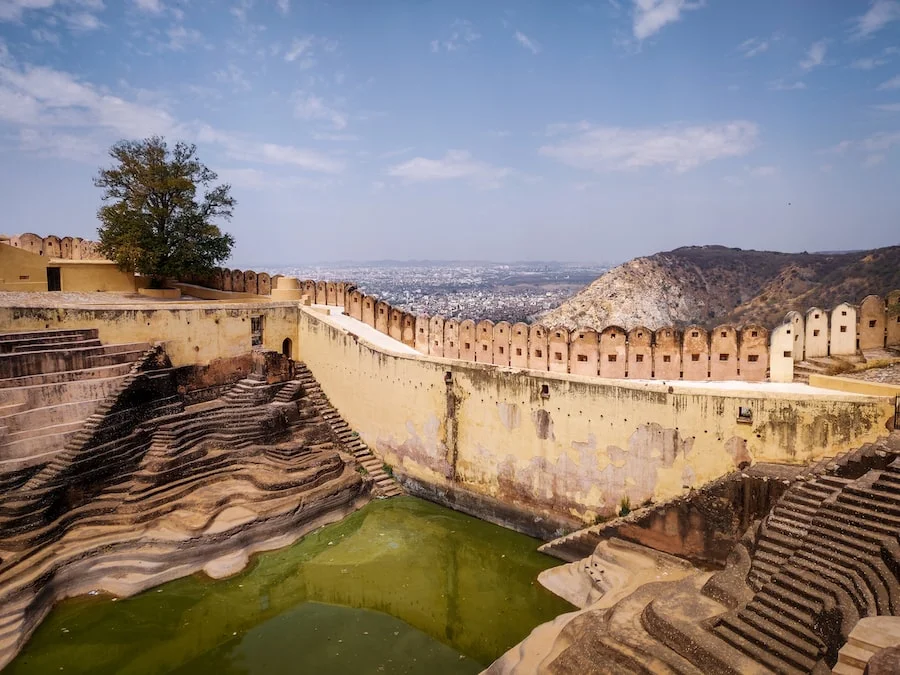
(565, 447)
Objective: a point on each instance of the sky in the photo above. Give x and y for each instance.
(584, 130)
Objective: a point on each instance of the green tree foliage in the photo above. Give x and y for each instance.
(152, 221)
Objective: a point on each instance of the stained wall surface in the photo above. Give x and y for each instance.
(578, 449)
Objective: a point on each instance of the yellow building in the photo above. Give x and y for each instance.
(29, 263)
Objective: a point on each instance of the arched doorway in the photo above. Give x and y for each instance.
(287, 348)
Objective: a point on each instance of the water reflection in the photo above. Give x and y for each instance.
(427, 587)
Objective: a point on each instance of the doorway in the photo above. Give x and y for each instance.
(287, 347)
(54, 282)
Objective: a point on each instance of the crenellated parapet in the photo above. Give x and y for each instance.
(61, 248)
(749, 352)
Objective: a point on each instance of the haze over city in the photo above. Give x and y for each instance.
(591, 131)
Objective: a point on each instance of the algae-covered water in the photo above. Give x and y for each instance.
(401, 586)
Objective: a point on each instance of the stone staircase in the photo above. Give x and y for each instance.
(51, 383)
(384, 483)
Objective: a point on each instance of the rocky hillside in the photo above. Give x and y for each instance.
(714, 284)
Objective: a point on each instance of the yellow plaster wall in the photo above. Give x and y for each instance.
(853, 385)
(581, 449)
(93, 275)
(194, 333)
(15, 263)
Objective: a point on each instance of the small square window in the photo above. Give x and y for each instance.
(872, 323)
(815, 316)
(518, 351)
(381, 310)
(816, 332)
(581, 336)
(787, 355)
(668, 333)
(611, 358)
(582, 357)
(451, 344)
(723, 357)
(788, 331)
(695, 334)
(667, 358)
(753, 358)
(844, 312)
(640, 335)
(421, 330)
(843, 329)
(695, 357)
(468, 345)
(639, 358)
(557, 356)
(484, 348)
(437, 344)
(754, 333)
(724, 334)
(539, 353)
(501, 350)
(558, 334)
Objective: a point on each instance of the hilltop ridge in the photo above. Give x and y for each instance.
(715, 284)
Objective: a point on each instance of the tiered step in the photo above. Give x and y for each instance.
(573, 546)
(384, 483)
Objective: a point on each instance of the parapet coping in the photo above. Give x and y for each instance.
(731, 388)
(159, 305)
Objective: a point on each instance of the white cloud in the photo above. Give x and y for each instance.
(527, 42)
(873, 160)
(455, 164)
(753, 47)
(888, 107)
(781, 85)
(868, 63)
(44, 35)
(679, 147)
(257, 179)
(12, 10)
(58, 114)
(650, 16)
(82, 21)
(311, 107)
(815, 56)
(150, 6)
(299, 47)
(893, 83)
(763, 171)
(234, 76)
(181, 38)
(462, 34)
(325, 136)
(303, 50)
(880, 14)
(284, 6)
(873, 147)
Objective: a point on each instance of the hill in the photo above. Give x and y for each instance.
(709, 285)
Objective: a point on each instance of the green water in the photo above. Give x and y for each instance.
(401, 586)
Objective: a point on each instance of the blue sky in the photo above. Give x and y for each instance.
(362, 129)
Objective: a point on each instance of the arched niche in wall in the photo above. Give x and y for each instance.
(584, 352)
(753, 352)
(695, 353)
(484, 331)
(640, 353)
(723, 357)
(501, 343)
(667, 353)
(871, 323)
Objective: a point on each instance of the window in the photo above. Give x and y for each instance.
(668, 333)
(558, 334)
(843, 329)
(484, 348)
(787, 355)
(816, 332)
(872, 323)
(437, 344)
(723, 357)
(421, 330)
(557, 356)
(788, 331)
(545, 391)
(451, 344)
(695, 334)
(844, 312)
(256, 330)
(753, 358)
(381, 310)
(501, 349)
(582, 357)
(638, 358)
(745, 415)
(518, 351)
(815, 316)
(640, 335)
(754, 333)
(695, 357)
(538, 353)
(724, 334)
(611, 358)
(468, 345)
(581, 336)
(667, 358)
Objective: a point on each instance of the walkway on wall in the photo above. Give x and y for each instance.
(336, 316)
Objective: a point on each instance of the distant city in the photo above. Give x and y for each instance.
(458, 289)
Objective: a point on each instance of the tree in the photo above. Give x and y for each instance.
(151, 221)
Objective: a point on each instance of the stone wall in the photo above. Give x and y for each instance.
(559, 446)
(51, 246)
